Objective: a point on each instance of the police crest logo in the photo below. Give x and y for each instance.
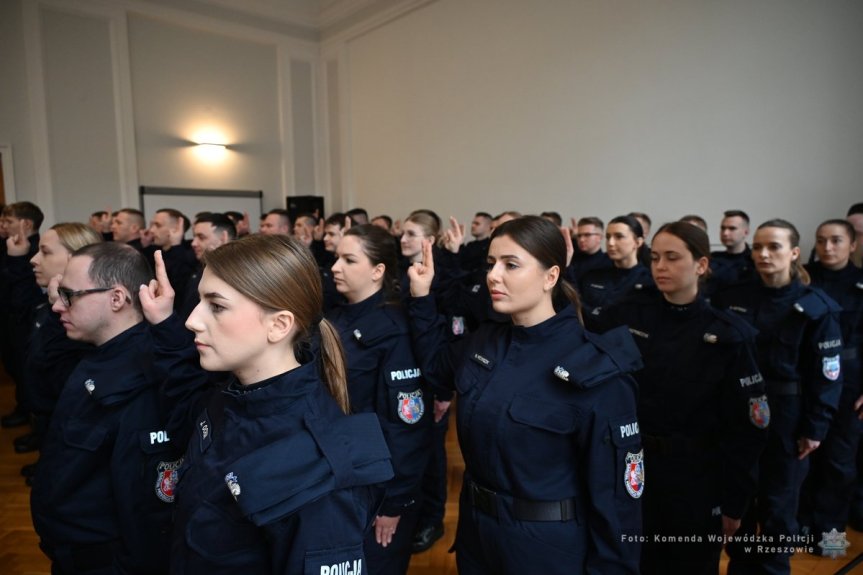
(411, 406)
(831, 367)
(834, 543)
(633, 476)
(759, 412)
(166, 479)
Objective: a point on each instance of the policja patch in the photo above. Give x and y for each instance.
(759, 412)
(633, 475)
(166, 479)
(831, 367)
(411, 406)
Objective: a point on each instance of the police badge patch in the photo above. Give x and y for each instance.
(411, 406)
(759, 412)
(831, 367)
(166, 479)
(633, 475)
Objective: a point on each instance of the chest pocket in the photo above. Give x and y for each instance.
(558, 418)
(84, 435)
(477, 368)
(784, 350)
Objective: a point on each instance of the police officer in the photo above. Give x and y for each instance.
(209, 232)
(101, 496)
(589, 255)
(702, 408)
(604, 286)
(276, 477)
(734, 264)
(829, 487)
(799, 343)
(546, 414)
(385, 379)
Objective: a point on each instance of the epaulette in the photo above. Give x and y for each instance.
(728, 328)
(354, 454)
(607, 355)
(815, 304)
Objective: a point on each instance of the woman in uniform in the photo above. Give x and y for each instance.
(605, 286)
(49, 356)
(276, 478)
(384, 379)
(702, 408)
(798, 345)
(829, 488)
(546, 418)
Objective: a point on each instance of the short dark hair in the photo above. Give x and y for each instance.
(591, 221)
(26, 211)
(221, 222)
(695, 219)
(118, 264)
(855, 209)
(385, 218)
(311, 219)
(336, 219)
(553, 216)
(849, 229)
(641, 215)
(279, 212)
(99, 214)
(177, 215)
(138, 215)
(234, 215)
(358, 215)
(485, 215)
(736, 214)
(631, 222)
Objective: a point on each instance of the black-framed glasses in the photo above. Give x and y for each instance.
(66, 294)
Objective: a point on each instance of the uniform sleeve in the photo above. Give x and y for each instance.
(614, 461)
(185, 384)
(745, 417)
(406, 423)
(431, 347)
(821, 375)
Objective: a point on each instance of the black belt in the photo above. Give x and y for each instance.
(490, 502)
(775, 387)
(668, 445)
(849, 353)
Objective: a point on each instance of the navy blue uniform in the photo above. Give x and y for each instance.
(548, 431)
(21, 295)
(727, 269)
(798, 344)
(583, 263)
(384, 378)
(830, 486)
(276, 479)
(101, 497)
(703, 417)
(605, 286)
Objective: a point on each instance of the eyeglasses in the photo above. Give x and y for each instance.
(66, 294)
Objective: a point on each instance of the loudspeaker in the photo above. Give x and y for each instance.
(298, 205)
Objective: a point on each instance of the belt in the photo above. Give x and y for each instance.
(775, 387)
(668, 445)
(490, 503)
(849, 353)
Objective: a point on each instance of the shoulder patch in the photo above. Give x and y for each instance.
(411, 406)
(633, 476)
(759, 412)
(831, 367)
(166, 479)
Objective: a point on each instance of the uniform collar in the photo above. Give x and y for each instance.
(549, 327)
(352, 311)
(275, 393)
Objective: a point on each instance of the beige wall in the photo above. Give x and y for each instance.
(599, 108)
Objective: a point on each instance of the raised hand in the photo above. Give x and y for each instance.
(421, 273)
(454, 236)
(17, 245)
(570, 249)
(157, 299)
(318, 232)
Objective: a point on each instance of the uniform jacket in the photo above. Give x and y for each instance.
(107, 470)
(845, 287)
(548, 413)
(604, 286)
(384, 378)
(799, 341)
(276, 479)
(700, 384)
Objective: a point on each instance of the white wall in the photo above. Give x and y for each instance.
(600, 108)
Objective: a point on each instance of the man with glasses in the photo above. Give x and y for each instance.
(588, 254)
(101, 499)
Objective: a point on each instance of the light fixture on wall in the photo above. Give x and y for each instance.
(211, 151)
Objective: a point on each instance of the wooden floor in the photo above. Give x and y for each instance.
(20, 555)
